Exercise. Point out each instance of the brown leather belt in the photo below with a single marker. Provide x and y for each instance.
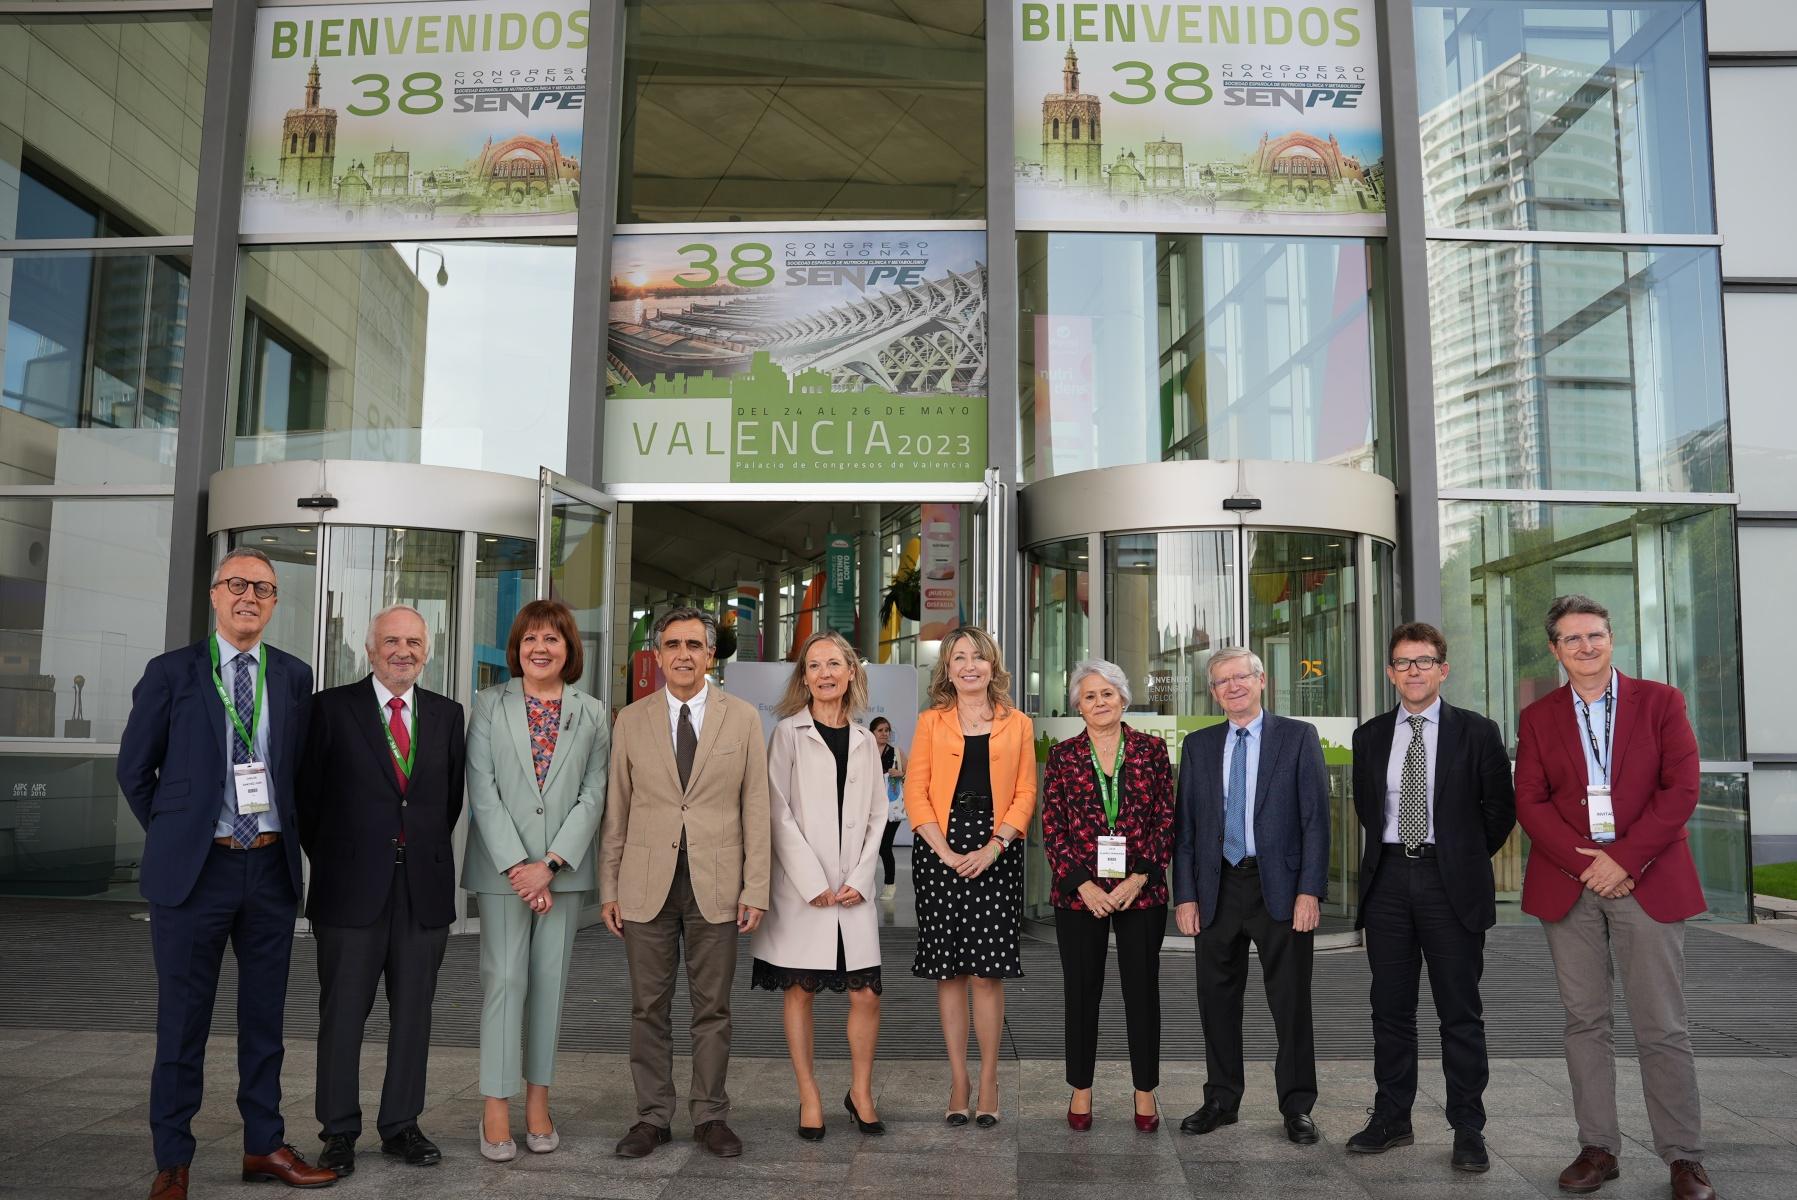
(256, 843)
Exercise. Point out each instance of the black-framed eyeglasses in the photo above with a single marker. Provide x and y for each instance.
(240, 585)
(1422, 662)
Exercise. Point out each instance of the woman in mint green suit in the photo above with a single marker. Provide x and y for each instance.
(538, 751)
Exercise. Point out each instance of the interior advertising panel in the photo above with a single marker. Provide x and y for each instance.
(1198, 116)
(826, 357)
(415, 117)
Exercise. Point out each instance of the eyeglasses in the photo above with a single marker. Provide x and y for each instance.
(1234, 680)
(1422, 662)
(1578, 641)
(240, 585)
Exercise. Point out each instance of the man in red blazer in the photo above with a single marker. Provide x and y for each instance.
(1606, 780)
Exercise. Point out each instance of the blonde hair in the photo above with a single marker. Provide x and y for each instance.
(998, 690)
(798, 697)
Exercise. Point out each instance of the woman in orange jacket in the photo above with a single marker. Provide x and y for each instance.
(969, 794)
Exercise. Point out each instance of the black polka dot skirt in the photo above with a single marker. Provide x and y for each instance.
(968, 926)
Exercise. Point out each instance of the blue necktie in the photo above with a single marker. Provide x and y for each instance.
(243, 697)
(1235, 803)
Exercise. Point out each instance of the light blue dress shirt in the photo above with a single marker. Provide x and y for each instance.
(1595, 776)
(1394, 770)
(1229, 741)
(270, 821)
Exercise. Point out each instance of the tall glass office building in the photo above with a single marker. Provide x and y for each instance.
(1132, 331)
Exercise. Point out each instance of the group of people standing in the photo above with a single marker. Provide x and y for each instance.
(691, 832)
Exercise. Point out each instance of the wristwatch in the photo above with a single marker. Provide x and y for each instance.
(554, 864)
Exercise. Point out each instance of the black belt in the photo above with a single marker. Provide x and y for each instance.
(1399, 850)
(1251, 863)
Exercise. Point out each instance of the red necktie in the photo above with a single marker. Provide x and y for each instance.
(402, 739)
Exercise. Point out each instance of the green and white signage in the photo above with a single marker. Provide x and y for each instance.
(1197, 116)
(820, 357)
(404, 118)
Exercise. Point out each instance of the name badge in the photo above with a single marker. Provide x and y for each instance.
(1113, 856)
(251, 779)
(1601, 813)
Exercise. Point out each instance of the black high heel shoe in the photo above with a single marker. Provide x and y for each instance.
(812, 1133)
(870, 1128)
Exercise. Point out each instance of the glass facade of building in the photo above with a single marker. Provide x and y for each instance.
(1188, 320)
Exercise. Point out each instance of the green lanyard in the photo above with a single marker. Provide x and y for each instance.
(405, 761)
(247, 735)
(1108, 785)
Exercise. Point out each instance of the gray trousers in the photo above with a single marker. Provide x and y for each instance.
(653, 951)
(1652, 958)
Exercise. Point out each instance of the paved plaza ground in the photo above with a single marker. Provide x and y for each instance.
(73, 1095)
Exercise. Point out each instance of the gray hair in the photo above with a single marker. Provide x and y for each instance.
(1106, 670)
(374, 625)
(1229, 654)
(686, 613)
(1566, 606)
(242, 552)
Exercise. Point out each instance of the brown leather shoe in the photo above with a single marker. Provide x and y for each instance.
(170, 1184)
(1593, 1168)
(716, 1137)
(642, 1140)
(1690, 1181)
(286, 1166)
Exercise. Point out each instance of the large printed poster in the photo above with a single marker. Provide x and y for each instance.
(408, 118)
(841, 357)
(1171, 116)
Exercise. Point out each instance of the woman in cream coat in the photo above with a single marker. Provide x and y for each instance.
(538, 750)
(827, 794)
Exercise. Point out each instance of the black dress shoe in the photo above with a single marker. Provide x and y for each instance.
(1469, 1151)
(339, 1153)
(1209, 1117)
(1301, 1129)
(873, 1128)
(642, 1140)
(411, 1145)
(1383, 1132)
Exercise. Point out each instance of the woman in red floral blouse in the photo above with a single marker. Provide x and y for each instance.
(1107, 826)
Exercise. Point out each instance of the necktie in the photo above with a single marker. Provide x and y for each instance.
(686, 746)
(1235, 803)
(244, 826)
(1413, 790)
(402, 738)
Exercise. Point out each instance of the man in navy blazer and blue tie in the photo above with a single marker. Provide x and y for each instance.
(207, 764)
(1251, 864)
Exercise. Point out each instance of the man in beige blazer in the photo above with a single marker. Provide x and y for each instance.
(684, 856)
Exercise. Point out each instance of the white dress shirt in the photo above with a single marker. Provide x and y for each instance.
(384, 695)
(1394, 769)
(695, 708)
(270, 821)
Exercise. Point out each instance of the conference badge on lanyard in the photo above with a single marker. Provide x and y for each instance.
(250, 779)
(1113, 848)
(1600, 809)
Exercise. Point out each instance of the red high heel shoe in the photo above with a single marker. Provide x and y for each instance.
(1078, 1122)
(1151, 1122)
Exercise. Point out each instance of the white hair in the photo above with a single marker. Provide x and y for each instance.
(1229, 654)
(375, 623)
(1106, 670)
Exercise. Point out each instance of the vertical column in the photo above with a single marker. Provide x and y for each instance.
(1407, 294)
(599, 170)
(770, 615)
(211, 297)
(870, 582)
(1001, 314)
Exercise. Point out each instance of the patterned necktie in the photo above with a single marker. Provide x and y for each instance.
(1413, 790)
(244, 826)
(686, 746)
(1235, 803)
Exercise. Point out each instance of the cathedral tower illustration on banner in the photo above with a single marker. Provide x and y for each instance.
(1072, 145)
(309, 146)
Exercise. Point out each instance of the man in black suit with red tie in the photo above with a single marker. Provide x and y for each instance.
(379, 794)
(1433, 792)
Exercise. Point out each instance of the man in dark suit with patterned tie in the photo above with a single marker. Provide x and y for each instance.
(207, 763)
(1433, 793)
(1251, 864)
(379, 796)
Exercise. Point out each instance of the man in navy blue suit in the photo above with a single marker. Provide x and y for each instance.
(207, 764)
(1251, 864)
